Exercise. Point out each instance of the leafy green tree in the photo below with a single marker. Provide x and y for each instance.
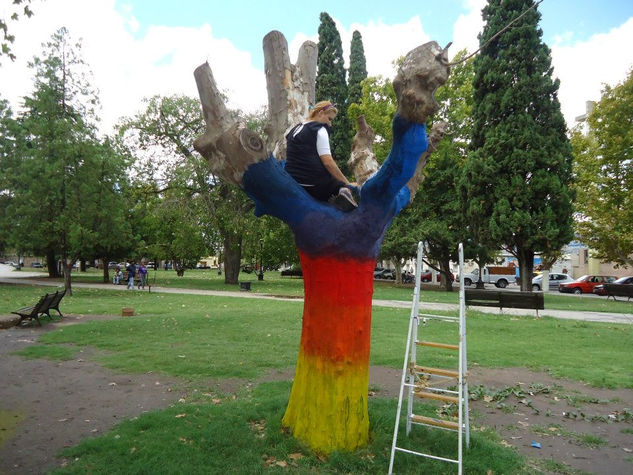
(57, 194)
(10, 133)
(357, 69)
(435, 216)
(162, 136)
(331, 85)
(438, 206)
(18, 8)
(518, 176)
(605, 177)
(112, 222)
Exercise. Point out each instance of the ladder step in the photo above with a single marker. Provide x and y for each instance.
(438, 345)
(435, 422)
(437, 371)
(436, 396)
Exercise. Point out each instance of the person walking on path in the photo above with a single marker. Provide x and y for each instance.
(142, 273)
(131, 273)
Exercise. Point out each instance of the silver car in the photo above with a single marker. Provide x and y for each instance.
(554, 281)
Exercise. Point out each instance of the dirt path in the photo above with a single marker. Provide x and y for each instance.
(48, 405)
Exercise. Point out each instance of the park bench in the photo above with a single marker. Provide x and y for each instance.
(43, 307)
(292, 273)
(504, 299)
(619, 290)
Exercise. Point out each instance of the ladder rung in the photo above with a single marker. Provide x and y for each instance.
(436, 396)
(435, 422)
(438, 345)
(439, 317)
(437, 371)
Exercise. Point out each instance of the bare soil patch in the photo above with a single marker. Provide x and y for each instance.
(48, 405)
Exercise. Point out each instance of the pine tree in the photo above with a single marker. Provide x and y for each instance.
(64, 183)
(331, 85)
(357, 69)
(518, 175)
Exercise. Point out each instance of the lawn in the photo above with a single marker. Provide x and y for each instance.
(197, 337)
(274, 284)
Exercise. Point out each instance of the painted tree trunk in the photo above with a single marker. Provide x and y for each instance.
(328, 403)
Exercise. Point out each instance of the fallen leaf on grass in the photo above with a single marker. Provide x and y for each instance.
(281, 463)
(296, 456)
(178, 416)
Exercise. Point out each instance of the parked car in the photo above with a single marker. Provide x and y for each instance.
(599, 289)
(385, 274)
(427, 276)
(37, 265)
(555, 280)
(585, 284)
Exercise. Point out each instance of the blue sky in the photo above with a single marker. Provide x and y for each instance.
(137, 48)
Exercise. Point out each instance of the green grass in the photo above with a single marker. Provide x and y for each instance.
(274, 284)
(198, 336)
(51, 352)
(244, 435)
(588, 440)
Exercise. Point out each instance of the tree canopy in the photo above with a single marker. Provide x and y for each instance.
(357, 68)
(64, 185)
(518, 174)
(604, 175)
(332, 85)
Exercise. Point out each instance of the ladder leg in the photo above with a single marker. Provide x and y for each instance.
(410, 348)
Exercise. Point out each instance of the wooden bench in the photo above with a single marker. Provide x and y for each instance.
(292, 273)
(619, 290)
(43, 307)
(505, 299)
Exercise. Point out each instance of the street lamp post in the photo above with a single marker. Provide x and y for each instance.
(260, 276)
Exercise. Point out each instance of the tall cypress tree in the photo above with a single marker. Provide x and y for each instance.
(357, 69)
(518, 175)
(331, 85)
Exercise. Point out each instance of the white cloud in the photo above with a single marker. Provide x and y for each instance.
(467, 27)
(584, 67)
(126, 67)
(129, 66)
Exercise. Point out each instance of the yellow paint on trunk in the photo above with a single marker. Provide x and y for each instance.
(328, 404)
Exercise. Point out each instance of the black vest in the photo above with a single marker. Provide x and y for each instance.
(302, 159)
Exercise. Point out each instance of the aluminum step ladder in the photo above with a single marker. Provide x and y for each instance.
(423, 382)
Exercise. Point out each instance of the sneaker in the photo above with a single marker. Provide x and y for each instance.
(344, 200)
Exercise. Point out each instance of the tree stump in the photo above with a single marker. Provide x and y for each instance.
(328, 404)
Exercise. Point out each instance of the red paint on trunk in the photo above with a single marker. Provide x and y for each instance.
(337, 308)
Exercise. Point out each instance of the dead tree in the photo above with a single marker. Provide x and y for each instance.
(338, 251)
